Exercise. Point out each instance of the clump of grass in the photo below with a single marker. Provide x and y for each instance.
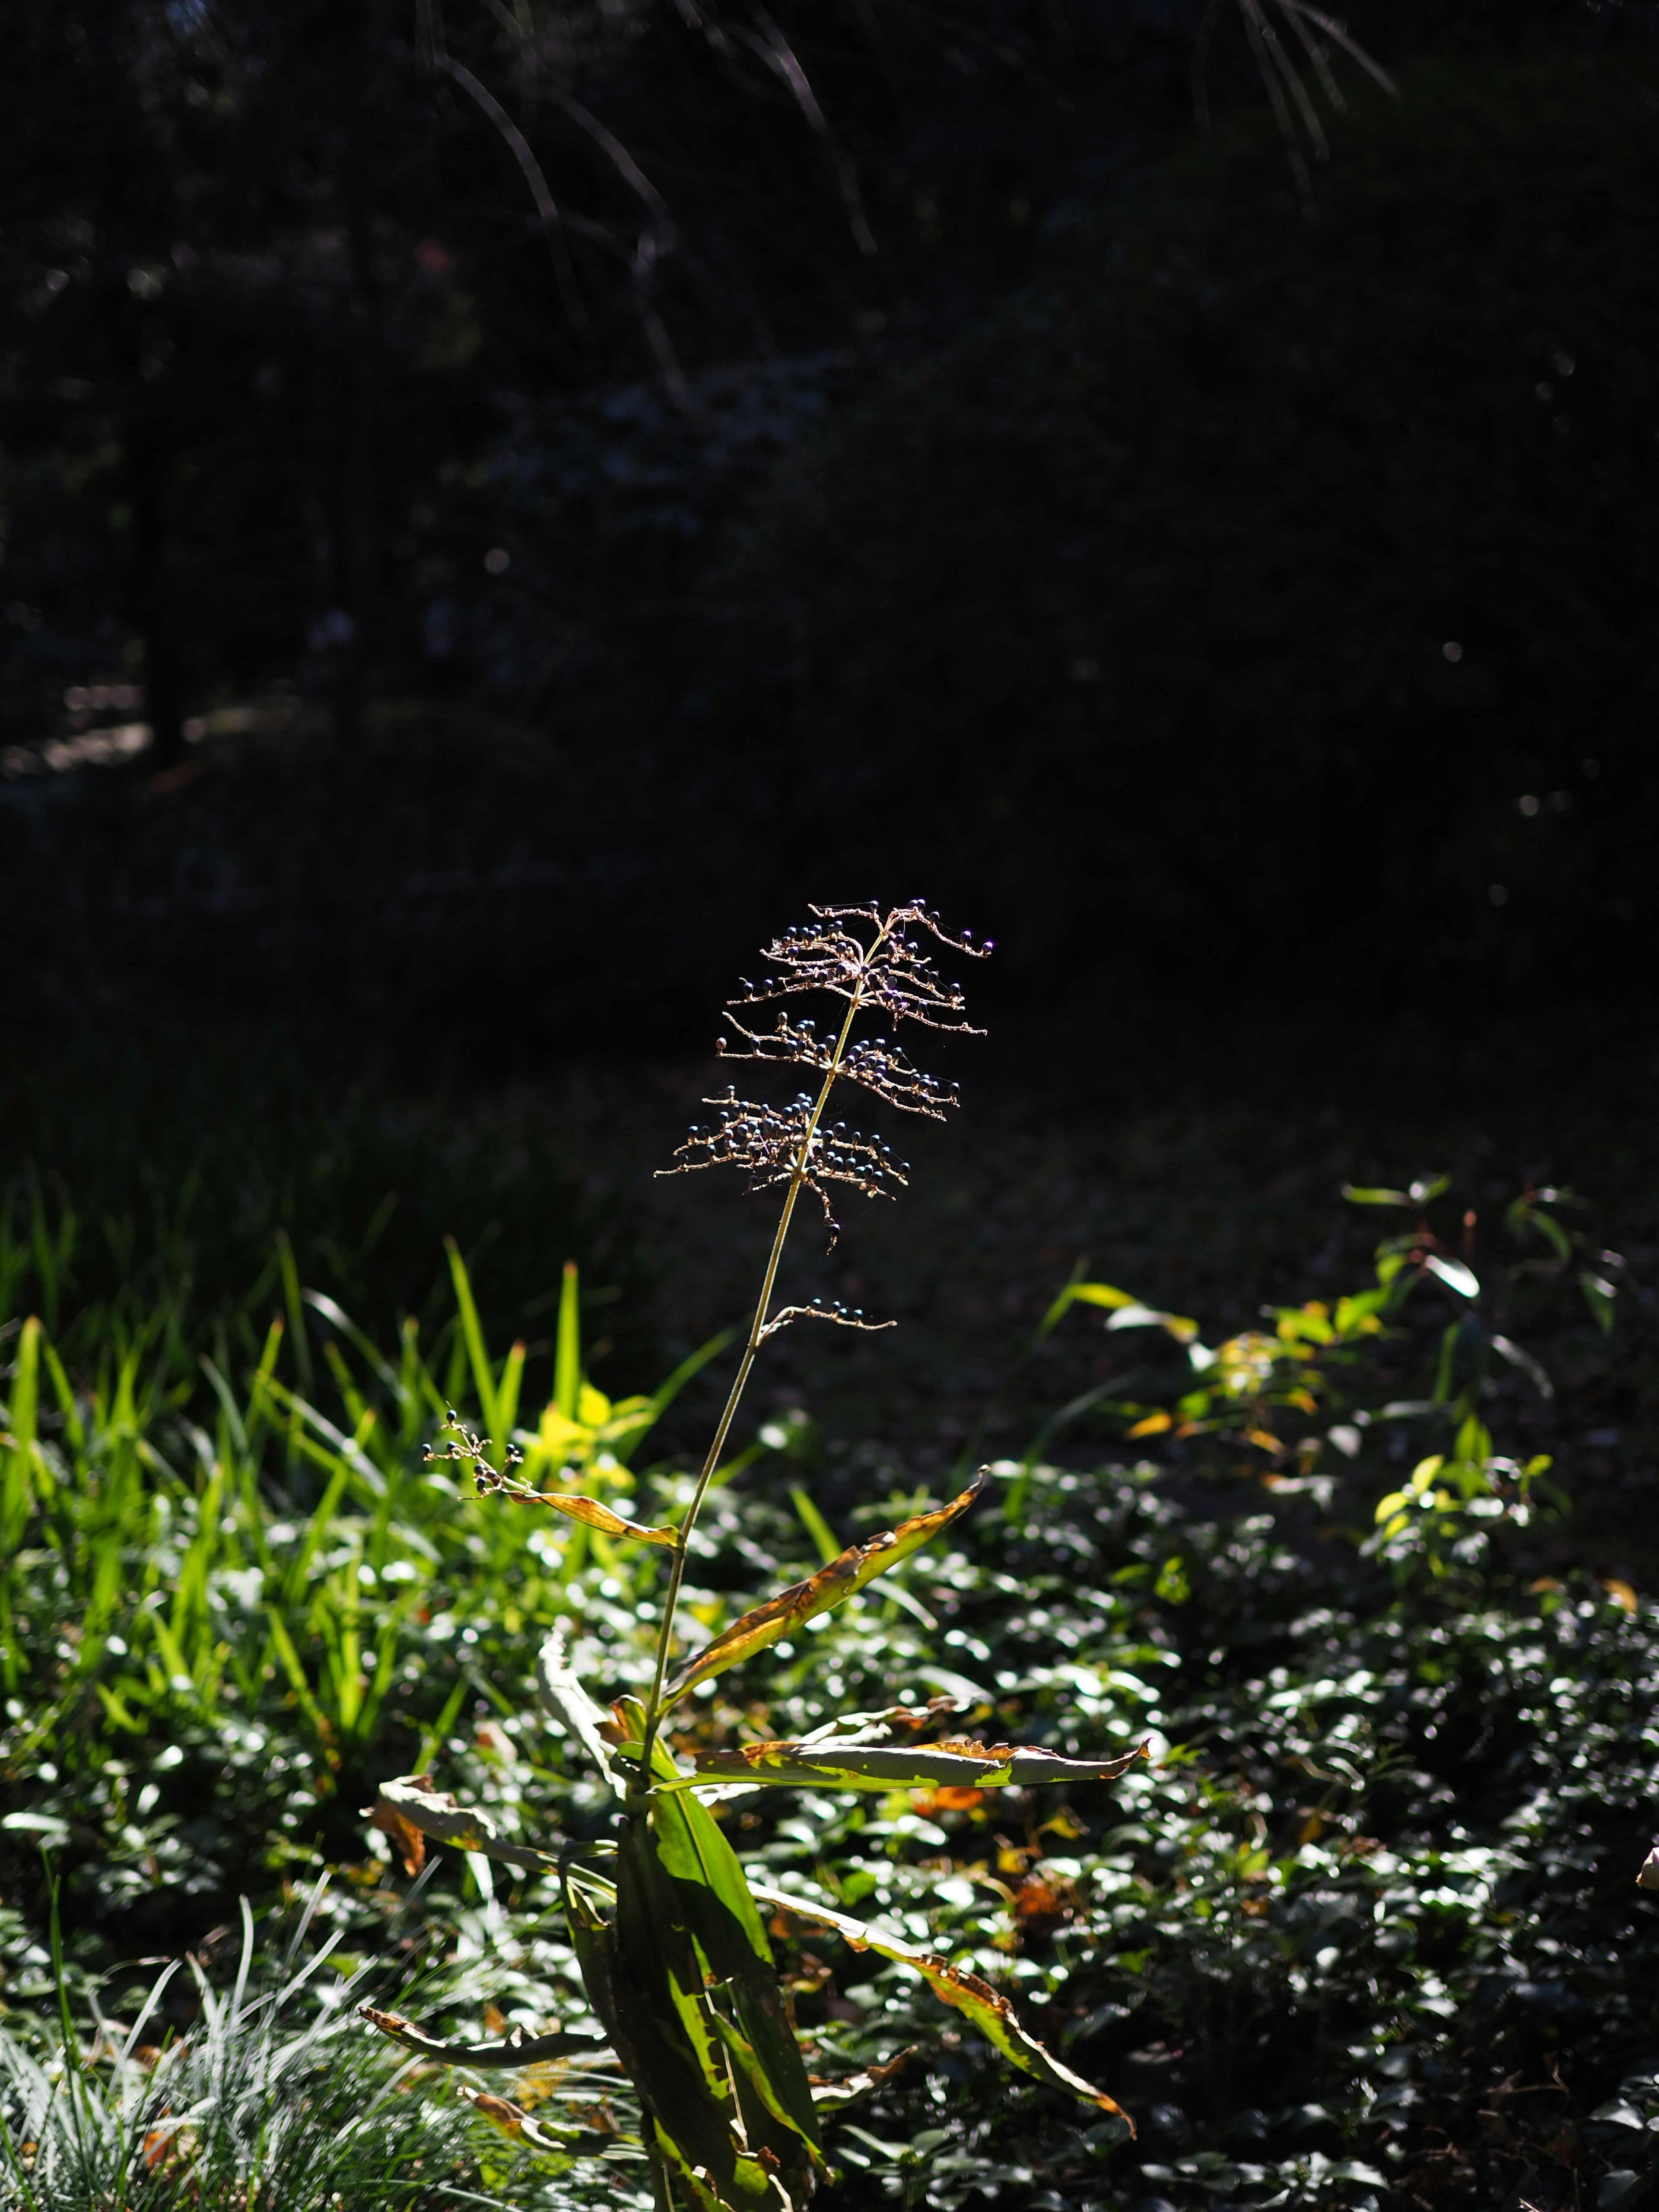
(269, 2101)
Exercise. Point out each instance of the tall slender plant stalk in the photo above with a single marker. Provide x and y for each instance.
(665, 1922)
(757, 1329)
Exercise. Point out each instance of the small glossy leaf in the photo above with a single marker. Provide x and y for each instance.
(1153, 1425)
(1599, 1295)
(412, 1800)
(1183, 1330)
(592, 1515)
(902, 1766)
(517, 2050)
(1372, 1194)
(831, 1586)
(1455, 1274)
(1082, 1294)
(990, 2012)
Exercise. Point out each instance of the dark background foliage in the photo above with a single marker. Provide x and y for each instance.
(898, 460)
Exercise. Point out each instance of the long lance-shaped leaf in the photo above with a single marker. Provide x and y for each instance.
(703, 1924)
(592, 1515)
(572, 1707)
(412, 1800)
(519, 2050)
(901, 1767)
(832, 1585)
(990, 2013)
(660, 2033)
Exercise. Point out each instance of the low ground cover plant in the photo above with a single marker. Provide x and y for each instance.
(1361, 1930)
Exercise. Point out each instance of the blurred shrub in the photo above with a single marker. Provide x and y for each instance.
(1251, 574)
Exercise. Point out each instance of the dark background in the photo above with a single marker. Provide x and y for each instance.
(907, 460)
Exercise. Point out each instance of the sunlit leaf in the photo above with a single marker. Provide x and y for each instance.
(990, 2012)
(571, 1706)
(517, 2049)
(652, 2003)
(1153, 1425)
(832, 2096)
(1599, 1296)
(1373, 1195)
(412, 1799)
(901, 1767)
(1179, 1325)
(1455, 1274)
(1082, 1294)
(514, 2122)
(831, 1586)
(592, 1515)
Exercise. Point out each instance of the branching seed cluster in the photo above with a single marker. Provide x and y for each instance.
(470, 1449)
(892, 972)
(876, 962)
(872, 1062)
(770, 1143)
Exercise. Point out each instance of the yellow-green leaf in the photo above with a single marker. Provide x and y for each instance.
(592, 1515)
(831, 1586)
(435, 1813)
(989, 2011)
(517, 2050)
(901, 1767)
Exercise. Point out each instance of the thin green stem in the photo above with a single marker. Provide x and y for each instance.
(756, 1332)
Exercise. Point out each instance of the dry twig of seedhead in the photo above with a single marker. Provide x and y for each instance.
(890, 972)
(468, 1448)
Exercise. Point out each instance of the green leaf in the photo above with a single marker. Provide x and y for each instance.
(900, 1766)
(1599, 1295)
(567, 1354)
(1179, 1325)
(831, 1586)
(1370, 1194)
(435, 1813)
(571, 1706)
(592, 1515)
(1081, 1294)
(1455, 1274)
(815, 1525)
(711, 1890)
(661, 2026)
(832, 2096)
(483, 1379)
(519, 2049)
(989, 2012)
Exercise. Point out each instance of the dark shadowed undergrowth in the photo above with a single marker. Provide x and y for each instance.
(1363, 1931)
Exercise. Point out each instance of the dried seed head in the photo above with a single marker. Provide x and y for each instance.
(875, 962)
(771, 1144)
(890, 970)
(872, 1062)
